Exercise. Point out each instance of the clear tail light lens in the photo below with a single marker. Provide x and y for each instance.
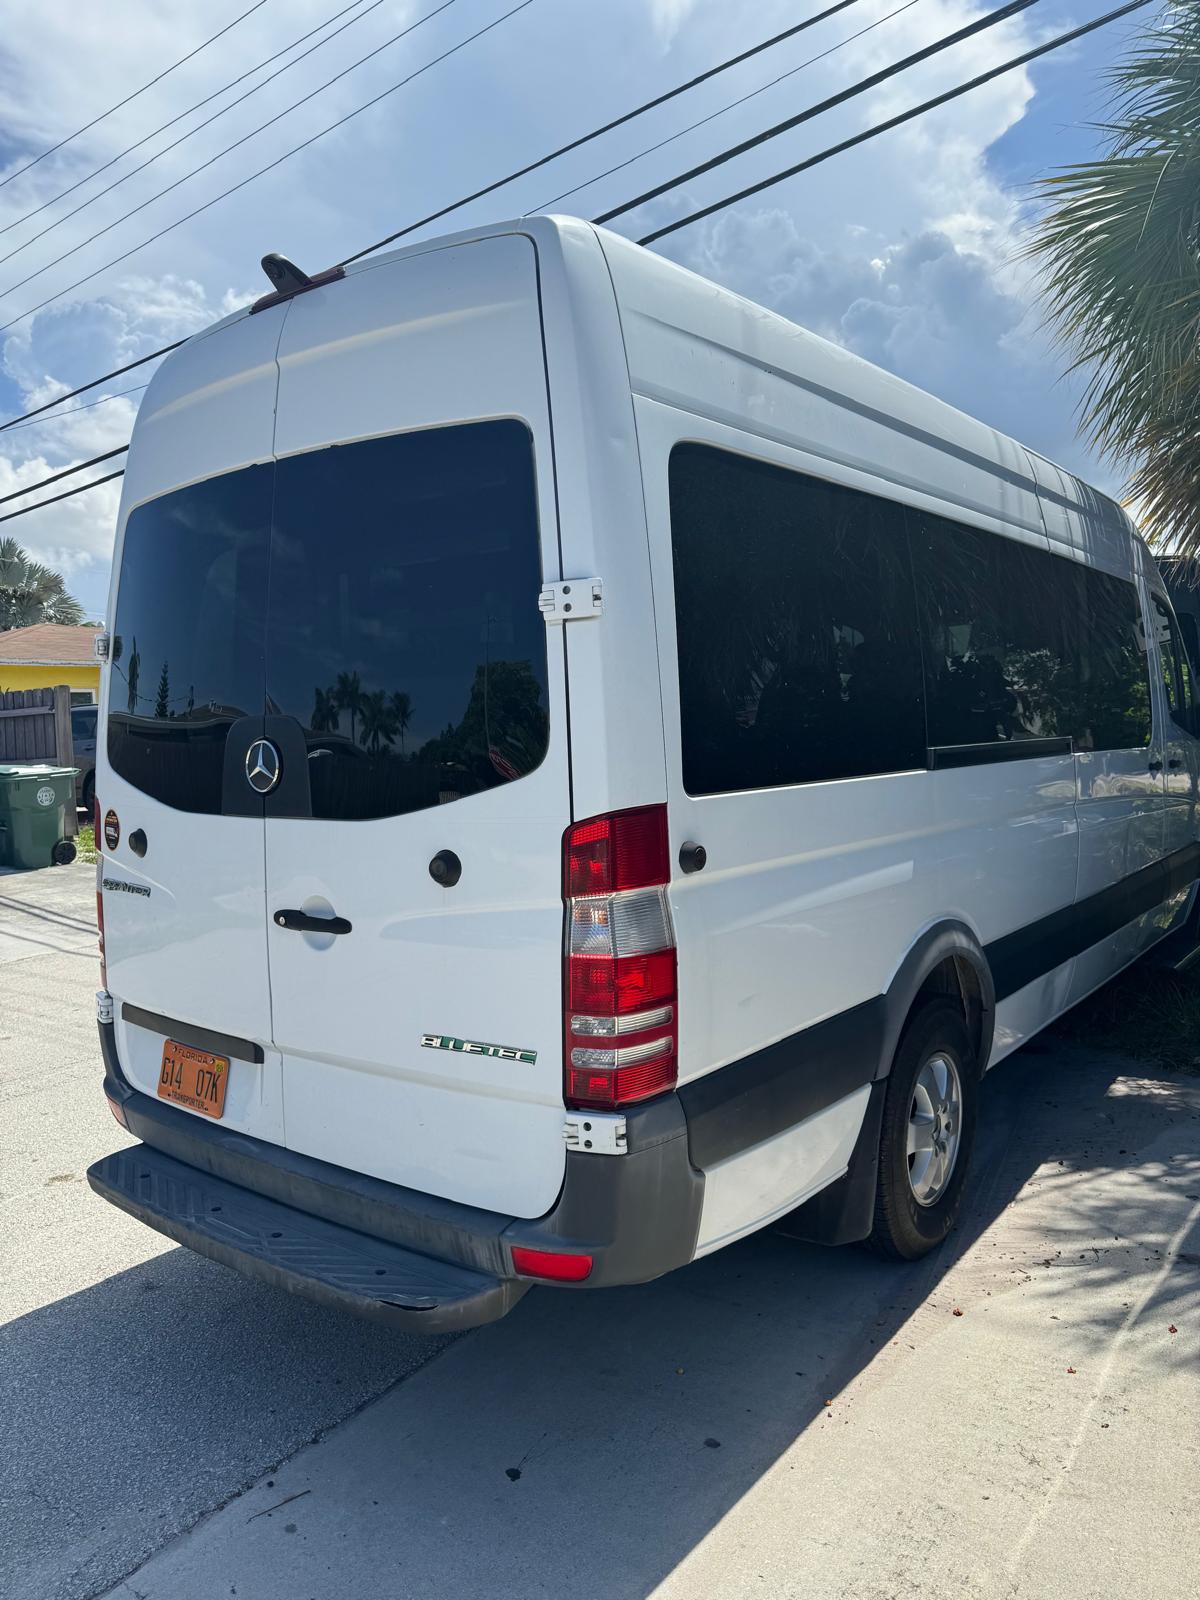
(620, 985)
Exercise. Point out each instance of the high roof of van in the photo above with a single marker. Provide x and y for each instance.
(699, 347)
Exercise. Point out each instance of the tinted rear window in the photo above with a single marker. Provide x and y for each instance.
(382, 594)
(404, 632)
(187, 653)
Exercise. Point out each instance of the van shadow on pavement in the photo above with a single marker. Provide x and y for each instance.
(589, 1442)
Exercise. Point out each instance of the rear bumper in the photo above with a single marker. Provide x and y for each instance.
(394, 1255)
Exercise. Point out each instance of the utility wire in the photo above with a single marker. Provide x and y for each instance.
(279, 160)
(204, 165)
(895, 122)
(162, 128)
(720, 111)
(607, 127)
(164, 350)
(133, 96)
(65, 495)
(66, 472)
(1014, 8)
(91, 404)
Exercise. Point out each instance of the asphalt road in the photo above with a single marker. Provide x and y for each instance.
(777, 1420)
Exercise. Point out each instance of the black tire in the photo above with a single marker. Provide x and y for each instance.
(905, 1229)
(63, 853)
(88, 795)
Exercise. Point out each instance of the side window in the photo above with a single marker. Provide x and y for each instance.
(1175, 666)
(796, 627)
(1112, 684)
(999, 623)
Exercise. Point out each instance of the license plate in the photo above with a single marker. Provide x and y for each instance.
(193, 1078)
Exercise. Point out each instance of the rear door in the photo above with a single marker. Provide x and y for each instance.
(185, 919)
(421, 726)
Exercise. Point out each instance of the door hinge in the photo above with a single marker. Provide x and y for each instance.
(572, 601)
(603, 1133)
(105, 1010)
(101, 645)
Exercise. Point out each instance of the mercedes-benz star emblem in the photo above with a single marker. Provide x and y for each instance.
(262, 766)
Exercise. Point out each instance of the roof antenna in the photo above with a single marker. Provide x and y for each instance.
(285, 275)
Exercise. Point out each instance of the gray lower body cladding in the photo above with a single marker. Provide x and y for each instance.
(393, 1254)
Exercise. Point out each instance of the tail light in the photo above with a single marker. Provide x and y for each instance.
(96, 838)
(620, 987)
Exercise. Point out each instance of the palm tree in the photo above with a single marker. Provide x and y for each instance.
(378, 723)
(402, 710)
(31, 593)
(324, 717)
(1119, 249)
(348, 692)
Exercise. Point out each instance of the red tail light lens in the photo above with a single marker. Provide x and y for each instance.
(560, 1268)
(627, 850)
(620, 985)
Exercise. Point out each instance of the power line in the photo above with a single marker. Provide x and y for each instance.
(162, 128)
(1012, 9)
(680, 222)
(211, 161)
(103, 401)
(607, 127)
(65, 495)
(721, 110)
(80, 466)
(133, 96)
(279, 160)
(83, 388)
(895, 122)
(574, 144)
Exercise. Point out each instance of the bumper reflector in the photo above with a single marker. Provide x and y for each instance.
(550, 1264)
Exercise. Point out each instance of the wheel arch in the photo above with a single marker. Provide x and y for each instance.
(946, 959)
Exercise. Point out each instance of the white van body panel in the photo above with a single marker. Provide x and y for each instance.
(195, 947)
(765, 1182)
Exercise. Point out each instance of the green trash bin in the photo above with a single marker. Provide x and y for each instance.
(33, 815)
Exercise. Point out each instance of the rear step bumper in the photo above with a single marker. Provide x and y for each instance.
(303, 1254)
(394, 1254)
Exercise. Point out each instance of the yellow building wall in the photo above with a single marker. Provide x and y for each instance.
(34, 677)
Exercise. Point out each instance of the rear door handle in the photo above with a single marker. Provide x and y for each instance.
(1154, 765)
(1175, 763)
(301, 922)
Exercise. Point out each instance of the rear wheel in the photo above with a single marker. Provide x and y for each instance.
(88, 794)
(928, 1129)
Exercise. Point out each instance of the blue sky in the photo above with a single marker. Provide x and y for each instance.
(907, 250)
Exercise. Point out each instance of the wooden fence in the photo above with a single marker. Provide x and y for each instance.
(35, 728)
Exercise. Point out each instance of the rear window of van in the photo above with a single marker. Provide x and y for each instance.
(383, 594)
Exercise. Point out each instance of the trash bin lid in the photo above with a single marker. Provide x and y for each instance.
(41, 771)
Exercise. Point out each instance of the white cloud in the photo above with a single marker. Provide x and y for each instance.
(76, 535)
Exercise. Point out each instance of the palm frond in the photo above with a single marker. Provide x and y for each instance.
(1118, 248)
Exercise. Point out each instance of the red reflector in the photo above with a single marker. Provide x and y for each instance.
(627, 850)
(604, 986)
(604, 1088)
(549, 1264)
(117, 1112)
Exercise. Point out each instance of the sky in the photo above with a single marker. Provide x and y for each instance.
(908, 250)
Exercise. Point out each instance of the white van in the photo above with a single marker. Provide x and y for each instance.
(589, 768)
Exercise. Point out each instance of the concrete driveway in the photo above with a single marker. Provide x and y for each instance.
(1018, 1416)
